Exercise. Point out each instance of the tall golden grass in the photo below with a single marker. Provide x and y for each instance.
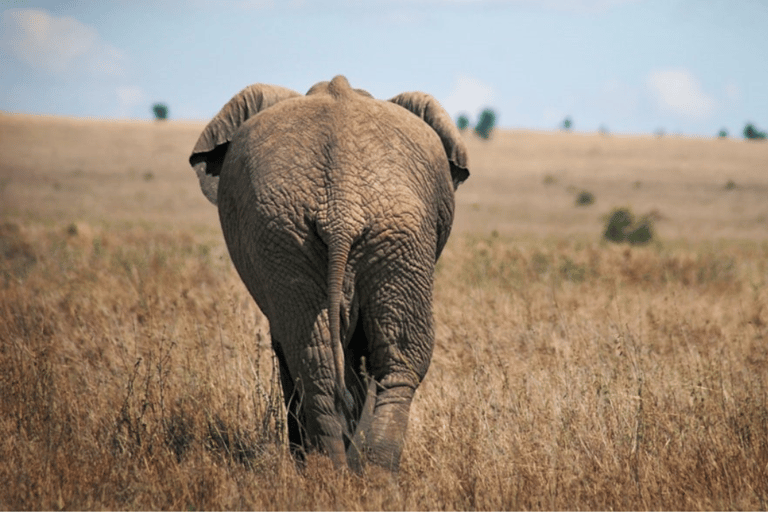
(568, 373)
(136, 373)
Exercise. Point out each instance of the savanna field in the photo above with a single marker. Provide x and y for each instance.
(568, 372)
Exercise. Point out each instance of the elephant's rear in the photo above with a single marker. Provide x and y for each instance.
(363, 174)
(335, 208)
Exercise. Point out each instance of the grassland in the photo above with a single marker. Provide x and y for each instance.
(568, 373)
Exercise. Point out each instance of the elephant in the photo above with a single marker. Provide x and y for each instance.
(335, 207)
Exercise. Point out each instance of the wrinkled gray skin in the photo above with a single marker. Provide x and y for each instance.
(335, 207)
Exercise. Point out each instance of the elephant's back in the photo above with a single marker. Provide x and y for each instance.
(319, 138)
(360, 163)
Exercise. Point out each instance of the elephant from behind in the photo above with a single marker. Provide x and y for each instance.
(335, 207)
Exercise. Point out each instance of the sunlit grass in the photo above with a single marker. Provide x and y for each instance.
(135, 372)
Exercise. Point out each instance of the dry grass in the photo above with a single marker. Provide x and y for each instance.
(135, 371)
(527, 183)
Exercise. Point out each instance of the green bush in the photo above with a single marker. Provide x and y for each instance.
(618, 222)
(723, 133)
(642, 233)
(622, 227)
(486, 123)
(751, 132)
(567, 123)
(160, 110)
(462, 122)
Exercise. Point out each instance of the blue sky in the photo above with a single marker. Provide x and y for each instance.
(631, 66)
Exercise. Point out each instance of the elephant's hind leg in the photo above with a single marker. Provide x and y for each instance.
(292, 398)
(309, 369)
(400, 326)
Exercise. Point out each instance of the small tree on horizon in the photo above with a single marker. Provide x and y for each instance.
(567, 123)
(486, 123)
(751, 132)
(161, 111)
(462, 122)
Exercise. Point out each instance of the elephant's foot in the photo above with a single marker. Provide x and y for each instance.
(384, 483)
(381, 440)
(388, 438)
(329, 439)
(334, 447)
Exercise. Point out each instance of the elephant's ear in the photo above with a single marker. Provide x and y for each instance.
(430, 110)
(211, 147)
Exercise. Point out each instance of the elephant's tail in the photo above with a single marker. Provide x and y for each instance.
(338, 253)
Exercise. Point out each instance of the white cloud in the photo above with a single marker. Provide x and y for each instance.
(57, 45)
(678, 92)
(468, 96)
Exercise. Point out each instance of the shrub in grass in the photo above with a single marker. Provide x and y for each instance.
(549, 179)
(622, 227)
(585, 198)
(641, 233)
(618, 224)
